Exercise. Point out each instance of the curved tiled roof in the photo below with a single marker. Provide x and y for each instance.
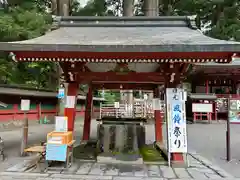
(124, 34)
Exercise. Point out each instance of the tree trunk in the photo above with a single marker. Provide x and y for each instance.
(63, 7)
(127, 11)
(127, 7)
(151, 8)
(54, 7)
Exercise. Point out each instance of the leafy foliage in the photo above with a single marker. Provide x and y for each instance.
(216, 18)
(111, 96)
(21, 21)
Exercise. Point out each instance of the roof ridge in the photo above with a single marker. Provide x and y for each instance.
(136, 21)
(122, 18)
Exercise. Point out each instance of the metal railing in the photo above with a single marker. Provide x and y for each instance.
(139, 109)
(109, 110)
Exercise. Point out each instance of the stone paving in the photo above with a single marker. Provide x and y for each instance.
(212, 144)
(199, 168)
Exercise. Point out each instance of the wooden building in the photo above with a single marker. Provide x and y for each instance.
(216, 78)
(222, 80)
(43, 103)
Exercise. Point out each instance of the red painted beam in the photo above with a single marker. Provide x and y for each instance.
(113, 77)
(118, 86)
(124, 55)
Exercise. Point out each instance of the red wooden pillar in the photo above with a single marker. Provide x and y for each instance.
(71, 112)
(158, 120)
(88, 113)
(38, 111)
(175, 157)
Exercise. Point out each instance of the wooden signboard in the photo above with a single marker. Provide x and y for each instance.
(202, 107)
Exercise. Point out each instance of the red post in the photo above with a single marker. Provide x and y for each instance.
(71, 112)
(88, 113)
(177, 157)
(158, 120)
(38, 111)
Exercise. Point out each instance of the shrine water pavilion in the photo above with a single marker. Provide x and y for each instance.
(123, 52)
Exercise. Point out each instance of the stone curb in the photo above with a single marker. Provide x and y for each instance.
(210, 165)
(15, 174)
(76, 176)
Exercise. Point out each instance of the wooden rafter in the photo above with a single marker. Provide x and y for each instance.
(159, 57)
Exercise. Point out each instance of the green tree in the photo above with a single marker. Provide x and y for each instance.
(93, 8)
(21, 21)
(112, 96)
(216, 18)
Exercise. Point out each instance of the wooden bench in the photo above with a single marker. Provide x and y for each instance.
(40, 151)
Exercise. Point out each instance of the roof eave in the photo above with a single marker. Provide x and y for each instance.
(229, 47)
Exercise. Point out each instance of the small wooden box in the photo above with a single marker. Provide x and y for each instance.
(59, 137)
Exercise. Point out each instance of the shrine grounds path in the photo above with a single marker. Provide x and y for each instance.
(209, 141)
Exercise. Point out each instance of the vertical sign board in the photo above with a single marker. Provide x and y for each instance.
(25, 104)
(61, 124)
(176, 120)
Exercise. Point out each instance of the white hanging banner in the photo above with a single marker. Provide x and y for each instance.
(176, 117)
(70, 102)
(156, 104)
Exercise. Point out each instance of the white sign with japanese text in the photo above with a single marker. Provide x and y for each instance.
(175, 94)
(177, 132)
(25, 104)
(61, 124)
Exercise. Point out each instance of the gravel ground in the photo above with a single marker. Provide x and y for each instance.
(209, 140)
